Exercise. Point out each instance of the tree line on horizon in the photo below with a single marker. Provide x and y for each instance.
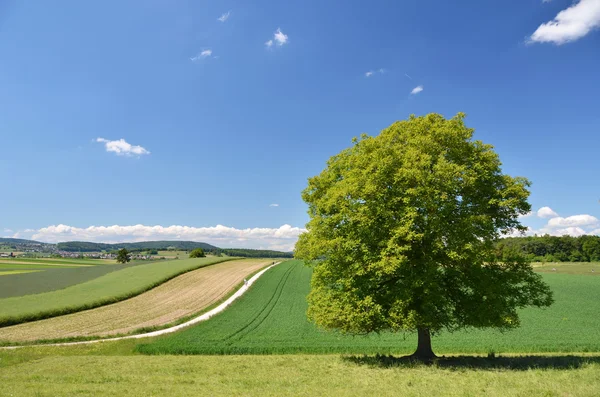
(548, 248)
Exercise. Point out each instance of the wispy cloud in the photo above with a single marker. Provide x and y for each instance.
(279, 38)
(371, 72)
(416, 90)
(408, 76)
(570, 24)
(224, 17)
(202, 55)
(122, 148)
(283, 237)
(273, 205)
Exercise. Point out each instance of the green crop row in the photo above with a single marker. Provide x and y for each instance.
(271, 319)
(110, 288)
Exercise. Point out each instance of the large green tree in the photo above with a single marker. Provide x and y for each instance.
(123, 256)
(197, 253)
(401, 235)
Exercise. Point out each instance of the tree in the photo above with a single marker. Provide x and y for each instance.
(123, 256)
(402, 231)
(197, 253)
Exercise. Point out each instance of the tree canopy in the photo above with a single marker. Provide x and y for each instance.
(402, 230)
(123, 256)
(197, 253)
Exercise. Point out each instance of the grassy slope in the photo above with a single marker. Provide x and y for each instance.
(271, 319)
(109, 369)
(110, 288)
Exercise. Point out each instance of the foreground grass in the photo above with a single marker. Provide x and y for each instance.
(110, 288)
(271, 319)
(105, 370)
(178, 298)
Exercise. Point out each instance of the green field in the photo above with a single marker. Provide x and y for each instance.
(51, 274)
(112, 369)
(110, 288)
(271, 319)
(18, 271)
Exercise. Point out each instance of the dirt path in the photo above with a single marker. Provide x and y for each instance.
(177, 298)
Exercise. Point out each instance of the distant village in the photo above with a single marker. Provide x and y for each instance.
(40, 249)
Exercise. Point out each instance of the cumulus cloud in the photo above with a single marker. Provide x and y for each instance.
(279, 38)
(122, 148)
(546, 212)
(273, 205)
(416, 90)
(575, 225)
(570, 24)
(369, 73)
(573, 221)
(222, 236)
(224, 16)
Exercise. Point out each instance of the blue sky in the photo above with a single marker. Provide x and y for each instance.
(223, 118)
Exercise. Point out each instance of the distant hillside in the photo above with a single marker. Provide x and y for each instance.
(84, 246)
(251, 253)
(13, 241)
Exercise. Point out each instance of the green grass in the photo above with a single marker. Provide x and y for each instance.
(110, 288)
(589, 268)
(14, 272)
(104, 370)
(271, 319)
(66, 261)
(54, 277)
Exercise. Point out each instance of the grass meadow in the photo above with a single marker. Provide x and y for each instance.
(271, 319)
(113, 368)
(109, 288)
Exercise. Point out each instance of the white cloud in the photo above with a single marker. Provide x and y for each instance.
(204, 54)
(408, 76)
(222, 236)
(224, 17)
(273, 205)
(546, 212)
(527, 215)
(370, 72)
(570, 24)
(573, 221)
(122, 148)
(8, 231)
(279, 38)
(416, 90)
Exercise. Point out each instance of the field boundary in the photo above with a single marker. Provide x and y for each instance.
(202, 317)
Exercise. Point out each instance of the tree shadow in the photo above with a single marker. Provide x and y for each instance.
(517, 363)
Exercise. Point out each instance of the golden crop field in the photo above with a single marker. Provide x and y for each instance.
(177, 298)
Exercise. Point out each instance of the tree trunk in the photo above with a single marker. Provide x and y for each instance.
(424, 351)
